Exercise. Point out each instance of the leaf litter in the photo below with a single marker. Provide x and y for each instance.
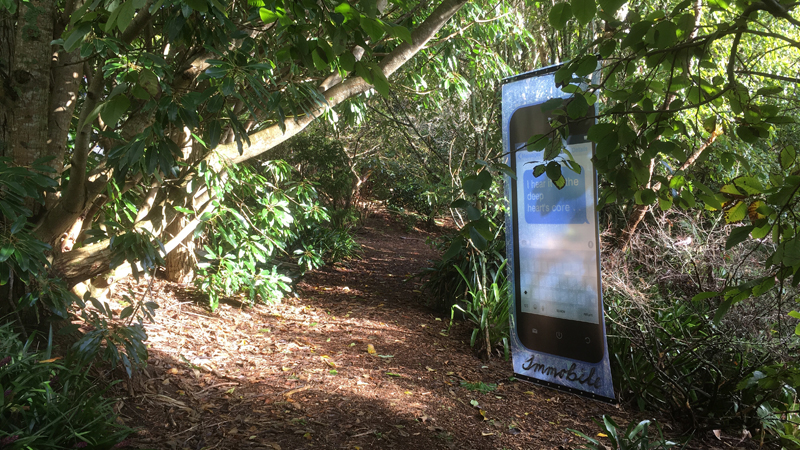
(263, 378)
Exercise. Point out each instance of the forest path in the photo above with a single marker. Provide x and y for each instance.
(299, 375)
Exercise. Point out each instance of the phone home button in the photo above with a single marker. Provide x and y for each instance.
(588, 340)
(559, 335)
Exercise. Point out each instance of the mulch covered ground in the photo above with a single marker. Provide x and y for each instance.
(300, 374)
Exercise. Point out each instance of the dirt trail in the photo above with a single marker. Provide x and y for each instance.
(299, 375)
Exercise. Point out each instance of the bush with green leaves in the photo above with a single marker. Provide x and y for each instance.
(270, 226)
(411, 194)
(41, 300)
(50, 403)
(469, 277)
(684, 353)
(638, 436)
(323, 161)
(486, 306)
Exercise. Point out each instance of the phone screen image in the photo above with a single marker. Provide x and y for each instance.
(557, 287)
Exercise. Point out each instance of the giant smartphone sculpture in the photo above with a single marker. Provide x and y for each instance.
(558, 332)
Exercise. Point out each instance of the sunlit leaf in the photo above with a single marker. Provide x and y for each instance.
(736, 213)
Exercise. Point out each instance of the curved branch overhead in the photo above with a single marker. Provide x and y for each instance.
(266, 139)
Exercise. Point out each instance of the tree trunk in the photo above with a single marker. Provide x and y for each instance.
(180, 262)
(31, 75)
(7, 94)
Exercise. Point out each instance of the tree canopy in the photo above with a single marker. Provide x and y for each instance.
(128, 128)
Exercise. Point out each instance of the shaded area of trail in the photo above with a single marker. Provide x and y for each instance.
(299, 374)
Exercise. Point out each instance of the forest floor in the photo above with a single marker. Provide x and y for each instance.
(298, 374)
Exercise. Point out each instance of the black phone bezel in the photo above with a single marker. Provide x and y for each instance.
(554, 336)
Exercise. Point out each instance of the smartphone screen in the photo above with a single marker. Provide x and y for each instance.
(556, 253)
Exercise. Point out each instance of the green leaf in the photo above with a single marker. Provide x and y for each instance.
(373, 28)
(537, 142)
(704, 295)
(584, 10)
(149, 81)
(607, 48)
(645, 197)
(471, 185)
(665, 34)
(347, 61)
(640, 170)
(665, 203)
(363, 71)
(316, 57)
(269, 16)
(197, 5)
(788, 157)
(578, 107)
(636, 34)
(769, 90)
(477, 239)
(380, 82)
(456, 246)
(722, 309)
(114, 109)
(749, 185)
(76, 36)
(343, 8)
(747, 134)
(587, 65)
(126, 312)
(559, 15)
(611, 6)
(574, 166)
(736, 213)
(402, 33)
(126, 12)
(677, 182)
(552, 104)
(791, 252)
(737, 236)
(553, 170)
(687, 199)
(598, 131)
(473, 213)
(761, 232)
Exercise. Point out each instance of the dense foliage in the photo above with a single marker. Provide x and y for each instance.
(129, 132)
(50, 403)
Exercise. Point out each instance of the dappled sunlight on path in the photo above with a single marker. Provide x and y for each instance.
(299, 374)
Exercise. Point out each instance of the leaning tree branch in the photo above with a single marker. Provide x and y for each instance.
(270, 137)
(73, 202)
(770, 75)
(92, 260)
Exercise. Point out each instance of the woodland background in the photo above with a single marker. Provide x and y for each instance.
(237, 144)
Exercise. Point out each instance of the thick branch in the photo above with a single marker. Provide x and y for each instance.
(92, 260)
(75, 197)
(770, 75)
(268, 138)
